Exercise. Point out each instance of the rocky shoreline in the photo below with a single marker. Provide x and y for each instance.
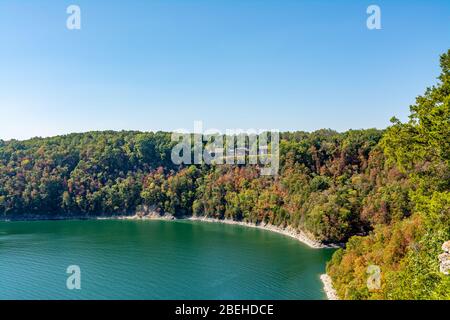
(328, 287)
(153, 215)
(288, 231)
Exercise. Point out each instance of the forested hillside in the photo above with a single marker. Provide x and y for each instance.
(385, 192)
(407, 249)
(322, 186)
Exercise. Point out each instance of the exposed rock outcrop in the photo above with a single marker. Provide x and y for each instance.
(444, 259)
(328, 287)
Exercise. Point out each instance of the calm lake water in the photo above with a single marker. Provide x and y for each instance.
(155, 260)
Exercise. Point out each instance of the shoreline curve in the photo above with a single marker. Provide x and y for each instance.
(288, 231)
(328, 287)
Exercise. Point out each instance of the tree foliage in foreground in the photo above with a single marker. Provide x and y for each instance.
(407, 250)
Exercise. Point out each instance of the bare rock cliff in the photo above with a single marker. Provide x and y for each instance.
(444, 259)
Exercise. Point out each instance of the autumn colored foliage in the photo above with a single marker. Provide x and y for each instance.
(386, 194)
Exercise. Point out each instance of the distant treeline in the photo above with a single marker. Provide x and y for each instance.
(322, 186)
(385, 192)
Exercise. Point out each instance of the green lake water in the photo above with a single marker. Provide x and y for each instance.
(155, 260)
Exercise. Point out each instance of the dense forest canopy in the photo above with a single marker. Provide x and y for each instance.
(321, 186)
(385, 193)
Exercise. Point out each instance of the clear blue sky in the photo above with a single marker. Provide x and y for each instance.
(160, 65)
